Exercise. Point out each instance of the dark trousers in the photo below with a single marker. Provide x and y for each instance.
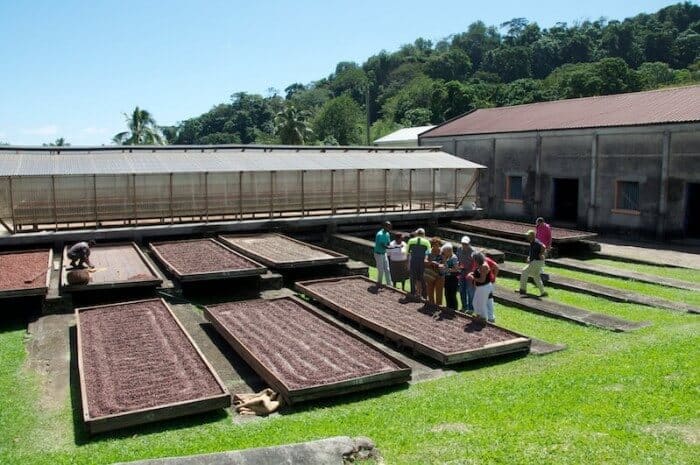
(416, 273)
(76, 260)
(451, 291)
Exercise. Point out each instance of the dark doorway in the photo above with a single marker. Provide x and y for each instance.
(565, 200)
(692, 210)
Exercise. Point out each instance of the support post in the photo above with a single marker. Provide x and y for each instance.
(492, 179)
(272, 193)
(332, 192)
(94, 200)
(240, 194)
(593, 201)
(663, 194)
(206, 196)
(53, 202)
(386, 190)
(410, 190)
(302, 193)
(455, 190)
(133, 198)
(435, 170)
(12, 205)
(170, 199)
(359, 184)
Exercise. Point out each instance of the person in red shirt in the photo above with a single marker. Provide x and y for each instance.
(543, 233)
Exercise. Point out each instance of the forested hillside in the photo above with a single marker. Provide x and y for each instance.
(485, 66)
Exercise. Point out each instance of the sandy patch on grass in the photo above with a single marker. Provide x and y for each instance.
(451, 428)
(689, 434)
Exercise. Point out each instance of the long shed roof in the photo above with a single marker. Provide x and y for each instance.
(675, 105)
(24, 161)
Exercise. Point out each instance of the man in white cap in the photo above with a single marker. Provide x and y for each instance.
(465, 254)
(417, 247)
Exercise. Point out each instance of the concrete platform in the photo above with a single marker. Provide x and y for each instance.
(516, 230)
(339, 450)
(547, 307)
(509, 246)
(579, 265)
(598, 290)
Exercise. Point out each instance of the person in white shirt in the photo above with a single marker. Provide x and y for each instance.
(398, 260)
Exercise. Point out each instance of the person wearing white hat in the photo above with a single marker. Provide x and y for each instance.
(465, 254)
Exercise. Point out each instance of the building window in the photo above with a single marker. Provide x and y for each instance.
(627, 195)
(514, 188)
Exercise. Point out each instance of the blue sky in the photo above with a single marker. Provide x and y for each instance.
(70, 69)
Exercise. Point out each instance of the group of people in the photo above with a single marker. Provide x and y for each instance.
(435, 267)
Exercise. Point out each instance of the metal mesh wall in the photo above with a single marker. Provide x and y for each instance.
(189, 197)
(397, 188)
(5, 209)
(193, 196)
(114, 197)
(257, 188)
(223, 190)
(287, 191)
(317, 190)
(75, 199)
(152, 195)
(422, 188)
(372, 188)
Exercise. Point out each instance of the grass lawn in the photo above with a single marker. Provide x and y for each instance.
(654, 290)
(683, 274)
(613, 398)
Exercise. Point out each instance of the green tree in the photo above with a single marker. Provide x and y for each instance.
(653, 75)
(143, 130)
(451, 65)
(510, 63)
(291, 126)
(476, 41)
(352, 81)
(60, 142)
(342, 119)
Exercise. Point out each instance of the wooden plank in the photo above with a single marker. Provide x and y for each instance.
(515, 343)
(268, 248)
(150, 414)
(256, 269)
(117, 266)
(294, 395)
(30, 291)
(517, 230)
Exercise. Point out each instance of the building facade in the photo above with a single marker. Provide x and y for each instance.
(622, 163)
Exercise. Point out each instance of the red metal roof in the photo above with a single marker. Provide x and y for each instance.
(675, 105)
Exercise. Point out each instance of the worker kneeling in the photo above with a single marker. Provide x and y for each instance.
(79, 254)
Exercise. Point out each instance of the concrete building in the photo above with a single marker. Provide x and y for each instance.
(406, 137)
(628, 162)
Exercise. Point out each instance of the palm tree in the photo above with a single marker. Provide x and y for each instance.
(142, 130)
(291, 126)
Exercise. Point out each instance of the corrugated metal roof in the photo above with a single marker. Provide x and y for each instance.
(17, 162)
(403, 135)
(676, 105)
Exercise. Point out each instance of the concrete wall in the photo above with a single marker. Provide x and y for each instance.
(662, 158)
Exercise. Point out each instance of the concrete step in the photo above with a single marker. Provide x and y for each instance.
(601, 270)
(547, 307)
(598, 290)
(509, 246)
